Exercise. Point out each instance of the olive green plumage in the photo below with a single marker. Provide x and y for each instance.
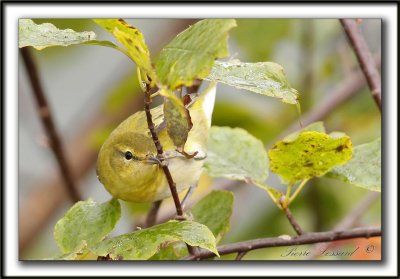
(126, 165)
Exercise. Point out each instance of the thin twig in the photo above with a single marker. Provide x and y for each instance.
(350, 219)
(160, 153)
(48, 123)
(193, 251)
(308, 238)
(240, 256)
(152, 215)
(290, 217)
(292, 221)
(364, 58)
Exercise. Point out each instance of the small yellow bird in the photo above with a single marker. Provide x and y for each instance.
(126, 163)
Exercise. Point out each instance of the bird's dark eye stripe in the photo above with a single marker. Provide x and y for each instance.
(128, 155)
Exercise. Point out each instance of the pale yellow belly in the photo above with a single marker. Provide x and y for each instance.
(185, 173)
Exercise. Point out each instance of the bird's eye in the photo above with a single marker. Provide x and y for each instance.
(128, 155)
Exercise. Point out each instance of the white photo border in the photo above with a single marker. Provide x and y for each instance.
(12, 11)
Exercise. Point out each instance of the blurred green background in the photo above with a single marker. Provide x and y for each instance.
(86, 83)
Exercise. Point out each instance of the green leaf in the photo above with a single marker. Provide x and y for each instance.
(191, 54)
(142, 244)
(78, 253)
(364, 169)
(45, 35)
(265, 78)
(235, 154)
(86, 221)
(177, 118)
(215, 211)
(171, 252)
(310, 154)
(133, 40)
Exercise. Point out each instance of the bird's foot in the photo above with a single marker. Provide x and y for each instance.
(187, 155)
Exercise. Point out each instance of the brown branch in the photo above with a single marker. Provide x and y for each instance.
(291, 219)
(152, 215)
(240, 256)
(364, 58)
(308, 238)
(193, 251)
(48, 123)
(160, 153)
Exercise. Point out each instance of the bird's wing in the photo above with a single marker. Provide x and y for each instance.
(138, 122)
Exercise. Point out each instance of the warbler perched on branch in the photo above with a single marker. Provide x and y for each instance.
(128, 165)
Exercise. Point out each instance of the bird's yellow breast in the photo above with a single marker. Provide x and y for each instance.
(137, 181)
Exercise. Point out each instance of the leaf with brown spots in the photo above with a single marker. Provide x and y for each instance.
(310, 154)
